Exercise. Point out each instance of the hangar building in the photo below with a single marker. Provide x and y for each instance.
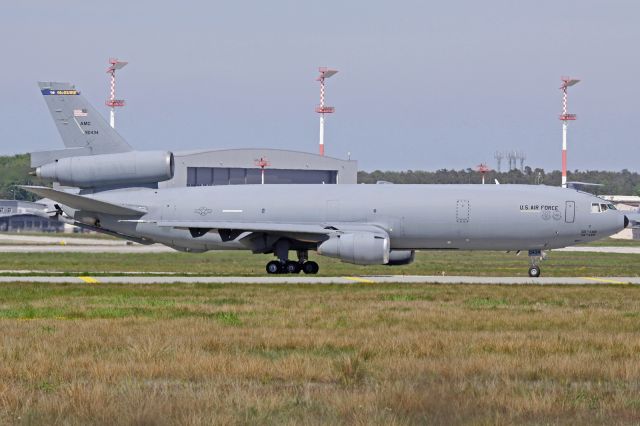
(238, 167)
(24, 216)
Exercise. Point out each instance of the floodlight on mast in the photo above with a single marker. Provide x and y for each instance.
(112, 102)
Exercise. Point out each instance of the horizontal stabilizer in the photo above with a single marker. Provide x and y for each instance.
(40, 158)
(80, 202)
(575, 184)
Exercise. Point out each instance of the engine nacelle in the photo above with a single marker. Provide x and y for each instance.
(362, 248)
(401, 257)
(135, 167)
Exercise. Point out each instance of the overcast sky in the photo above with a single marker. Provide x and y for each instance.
(421, 84)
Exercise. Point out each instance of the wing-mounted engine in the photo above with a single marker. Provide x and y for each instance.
(361, 248)
(401, 257)
(127, 168)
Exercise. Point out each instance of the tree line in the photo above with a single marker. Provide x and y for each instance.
(14, 171)
(623, 182)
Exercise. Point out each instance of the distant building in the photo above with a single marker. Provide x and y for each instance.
(633, 201)
(24, 216)
(628, 203)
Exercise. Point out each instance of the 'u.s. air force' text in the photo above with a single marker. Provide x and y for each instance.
(539, 207)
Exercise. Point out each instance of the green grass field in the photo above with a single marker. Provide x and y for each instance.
(318, 354)
(228, 263)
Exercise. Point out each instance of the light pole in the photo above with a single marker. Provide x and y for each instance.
(565, 117)
(112, 101)
(262, 163)
(322, 109)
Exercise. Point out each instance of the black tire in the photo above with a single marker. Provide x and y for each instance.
(310, 267)
(293, 267)
(274, 267)
(534, 271)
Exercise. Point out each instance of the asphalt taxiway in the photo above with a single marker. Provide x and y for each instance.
(306, 279)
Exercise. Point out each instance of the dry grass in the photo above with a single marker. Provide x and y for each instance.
(363, 354)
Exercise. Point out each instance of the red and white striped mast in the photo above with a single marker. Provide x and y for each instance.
(565, 117)
(112, 102)
(322, 109)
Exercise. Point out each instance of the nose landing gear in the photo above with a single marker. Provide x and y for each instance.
(536, 256)
(534, 271)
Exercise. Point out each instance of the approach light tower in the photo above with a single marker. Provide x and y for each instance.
(112, 102)
(322, 109)
(483, 169)
(565, 117)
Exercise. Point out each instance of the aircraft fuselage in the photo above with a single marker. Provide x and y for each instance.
(465, 217)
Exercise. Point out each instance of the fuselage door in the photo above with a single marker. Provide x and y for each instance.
(570, 211)
(462, 211)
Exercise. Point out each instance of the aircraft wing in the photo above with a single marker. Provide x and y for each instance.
(80, 202)
(230, 230)
(247, 226)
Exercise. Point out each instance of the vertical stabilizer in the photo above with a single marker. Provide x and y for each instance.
(79, 124)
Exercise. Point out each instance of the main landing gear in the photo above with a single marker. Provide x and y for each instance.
(286, 266)
(292, 267)
(536, 256)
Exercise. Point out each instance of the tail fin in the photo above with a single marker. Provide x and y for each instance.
(79, 124)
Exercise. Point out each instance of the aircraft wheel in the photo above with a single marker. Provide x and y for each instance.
(273, 267)
(310, 267)
(534, 271)
(293, 267)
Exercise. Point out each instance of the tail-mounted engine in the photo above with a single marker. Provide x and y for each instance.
(127, 168)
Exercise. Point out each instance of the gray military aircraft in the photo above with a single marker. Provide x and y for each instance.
(102, 184)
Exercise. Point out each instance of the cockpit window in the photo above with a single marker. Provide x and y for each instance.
(612, 207)
(595, 208)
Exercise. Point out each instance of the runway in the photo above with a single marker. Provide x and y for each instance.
(86, 248)
(307, 279)
(56, 243)
(78, 245)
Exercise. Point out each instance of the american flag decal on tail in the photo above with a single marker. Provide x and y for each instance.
(79, 112)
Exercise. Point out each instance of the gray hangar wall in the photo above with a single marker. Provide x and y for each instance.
(238, 167)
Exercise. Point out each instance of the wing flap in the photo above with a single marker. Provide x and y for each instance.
(81, 202)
